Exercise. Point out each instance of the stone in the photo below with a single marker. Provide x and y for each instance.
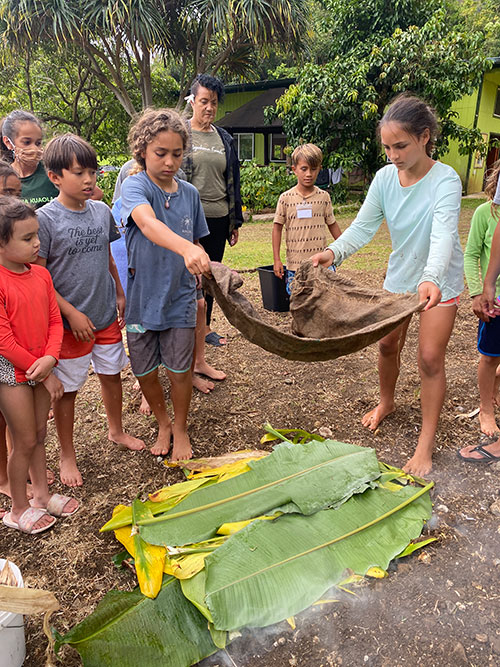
(495, 507)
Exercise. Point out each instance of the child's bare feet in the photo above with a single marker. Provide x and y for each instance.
(163, 441)
(487, 422)
(205, 369)
(373, 418)
(51, 478)
(144, 408)
(126, 441)
(69, 473)
(202, 384)
(5, 490)
(182, 446)
(420, 463)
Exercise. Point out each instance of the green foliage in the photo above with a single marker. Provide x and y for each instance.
(338, 105)
(262, 186)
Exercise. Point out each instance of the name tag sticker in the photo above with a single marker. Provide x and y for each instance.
(304, 211)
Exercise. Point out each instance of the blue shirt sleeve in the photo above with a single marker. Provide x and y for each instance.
(135, 192)
(363, 228)
(448, 197)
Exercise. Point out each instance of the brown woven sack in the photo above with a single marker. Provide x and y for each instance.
(331, 316)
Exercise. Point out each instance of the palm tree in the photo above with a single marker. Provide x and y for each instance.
(121, 39)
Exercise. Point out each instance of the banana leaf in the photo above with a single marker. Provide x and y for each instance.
(312, 476)
(270, 571)
(128, 629)
(158, 502)
(149, 558)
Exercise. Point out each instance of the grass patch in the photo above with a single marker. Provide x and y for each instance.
(254, 247)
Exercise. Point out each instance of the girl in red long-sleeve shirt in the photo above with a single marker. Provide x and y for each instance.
(30, 340)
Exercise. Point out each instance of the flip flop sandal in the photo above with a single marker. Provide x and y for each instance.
(27, 520)
(56, 505)
(214, 339)
(486, 456)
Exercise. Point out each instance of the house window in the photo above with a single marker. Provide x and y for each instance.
(496, 110)
(277, 144)
(245, 146)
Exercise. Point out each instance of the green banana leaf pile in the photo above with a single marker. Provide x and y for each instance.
(218, 553)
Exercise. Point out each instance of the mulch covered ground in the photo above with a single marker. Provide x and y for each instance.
(442, 607)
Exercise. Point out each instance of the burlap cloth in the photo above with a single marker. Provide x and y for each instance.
(331, 316)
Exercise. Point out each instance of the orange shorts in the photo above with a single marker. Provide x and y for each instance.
(72, 348)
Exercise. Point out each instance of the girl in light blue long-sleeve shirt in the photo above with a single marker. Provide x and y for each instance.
(420, 201)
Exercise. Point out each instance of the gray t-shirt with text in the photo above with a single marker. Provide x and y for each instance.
(76, 247)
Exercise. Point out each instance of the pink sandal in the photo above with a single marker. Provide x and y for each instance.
(27, 521)
(56, 505)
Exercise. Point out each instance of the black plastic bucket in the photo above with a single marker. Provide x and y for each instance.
(273, 289)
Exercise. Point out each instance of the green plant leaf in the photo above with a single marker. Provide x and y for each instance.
(413, 546)
(128, 629)
(258, 577)
(313, 476)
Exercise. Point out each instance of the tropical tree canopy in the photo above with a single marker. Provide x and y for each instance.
(337, 105)
(122, 40)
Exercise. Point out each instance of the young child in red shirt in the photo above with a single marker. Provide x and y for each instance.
(30, 342)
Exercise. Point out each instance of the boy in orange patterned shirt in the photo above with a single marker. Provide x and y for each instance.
(304, 210)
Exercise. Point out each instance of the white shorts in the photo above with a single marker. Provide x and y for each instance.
(105, 359)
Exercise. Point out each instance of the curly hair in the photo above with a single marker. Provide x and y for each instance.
(12, 209)
(415, 116)
(150, 123)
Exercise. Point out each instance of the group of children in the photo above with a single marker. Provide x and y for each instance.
(62, 305)
(56, 320)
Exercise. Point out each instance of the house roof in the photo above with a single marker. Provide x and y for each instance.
(250, 116)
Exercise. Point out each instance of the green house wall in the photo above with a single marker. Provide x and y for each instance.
(233, 101)
(487, 124)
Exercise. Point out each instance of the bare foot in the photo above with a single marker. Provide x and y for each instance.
(420, 463)
(496, 401)
(373, 418)
(163, 442)
(51, 478)
(205, 369)
(182, 446)
(203, 385)
(136, 386)
(69, 473)
(487, 423)
(144, 408)
(124, 440)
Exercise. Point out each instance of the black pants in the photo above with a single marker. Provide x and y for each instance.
(214, 245)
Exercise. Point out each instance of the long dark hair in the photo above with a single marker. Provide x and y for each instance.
(415, 116)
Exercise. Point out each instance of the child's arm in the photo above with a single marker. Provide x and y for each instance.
(472, 260)
(40, 370)
(195, 258)
(488, 295)
(120, 294)
(278, 265)
(334, 229)
(82, 326)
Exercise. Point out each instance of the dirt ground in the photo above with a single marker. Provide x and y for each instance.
(442, 608)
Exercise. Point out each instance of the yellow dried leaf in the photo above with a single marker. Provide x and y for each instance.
(176, 491)
(235, 526)
(186, 566)
(376, 573)
(149, 566)
(291, 622)
(213, 462)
